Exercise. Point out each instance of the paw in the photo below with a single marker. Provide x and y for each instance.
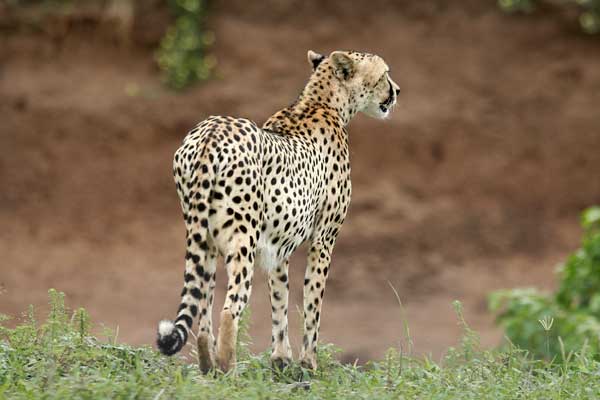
(309, 362)
(280, 363)
(206, 353)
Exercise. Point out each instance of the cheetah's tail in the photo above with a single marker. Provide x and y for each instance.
(171, 337)
(189, 177)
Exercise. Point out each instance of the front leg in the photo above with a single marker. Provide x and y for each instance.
(280, 342)
(317, 269)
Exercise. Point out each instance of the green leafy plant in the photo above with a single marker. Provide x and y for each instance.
(183, 52)
(555, 324)
(589, 10)
(590, 17)
(517, 5)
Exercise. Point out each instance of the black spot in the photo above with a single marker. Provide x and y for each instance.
(194, 310)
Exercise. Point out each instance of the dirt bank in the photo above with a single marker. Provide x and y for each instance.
(475, 183)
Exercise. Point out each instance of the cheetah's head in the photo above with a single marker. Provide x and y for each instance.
(363, 77)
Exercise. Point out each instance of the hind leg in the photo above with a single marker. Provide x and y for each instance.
(205, 338)
(240, 268)
(281, 355)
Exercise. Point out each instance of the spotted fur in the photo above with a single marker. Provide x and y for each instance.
(253, 195)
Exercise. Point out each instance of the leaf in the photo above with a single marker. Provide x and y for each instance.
(590, 218)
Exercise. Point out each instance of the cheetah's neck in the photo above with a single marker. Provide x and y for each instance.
(324, 91)
(323, 98)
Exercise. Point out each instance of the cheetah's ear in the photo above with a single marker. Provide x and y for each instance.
(343, 65)
(314, 59)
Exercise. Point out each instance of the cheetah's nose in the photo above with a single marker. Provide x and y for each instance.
(397, 91)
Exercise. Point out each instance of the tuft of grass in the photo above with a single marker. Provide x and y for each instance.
(58, 358)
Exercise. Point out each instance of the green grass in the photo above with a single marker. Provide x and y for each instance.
(60, 359)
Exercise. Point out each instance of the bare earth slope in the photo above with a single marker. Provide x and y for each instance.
(474, 184)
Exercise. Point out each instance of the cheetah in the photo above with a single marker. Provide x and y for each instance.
(253, 195)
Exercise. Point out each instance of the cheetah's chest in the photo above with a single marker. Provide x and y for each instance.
(297, 179)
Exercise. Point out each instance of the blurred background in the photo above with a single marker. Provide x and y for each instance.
(474, 184)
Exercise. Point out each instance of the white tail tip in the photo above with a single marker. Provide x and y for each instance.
(165, 327)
